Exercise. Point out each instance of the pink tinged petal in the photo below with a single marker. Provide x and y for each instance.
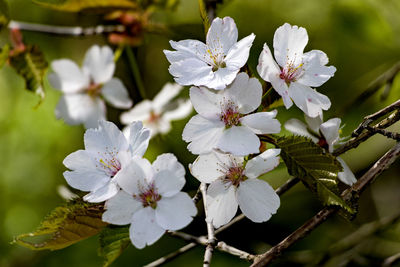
(239, 140)
(140, 112)
(203, 134)
(103, 193)
(120, 209)
(167, 93)
(144, 229)
(299, 128)
(330, 130)
(183, 110)
(262, 122)
(81, 108)
(209, 167)
(263, 163)
(175, 212)
(138, 138)
(67, 76)
(206, 102)
(221, 78)
(346, 176)
(99, 62)
(267, 66)
(115, 93)
(239, 53)
(282, 89)
(104, 139)
(221, 203)
(191, 71)
(222, 35)
(133, 176)
(314, 123)
(289, 44)
(86, 180)
(315, 71)
(308, 100)
(257, 200)
(245, 92)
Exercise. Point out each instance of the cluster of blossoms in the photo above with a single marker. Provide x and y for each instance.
(224, 133)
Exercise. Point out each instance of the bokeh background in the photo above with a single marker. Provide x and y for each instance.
(361, 38)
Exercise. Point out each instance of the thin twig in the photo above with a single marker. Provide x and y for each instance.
(391, 260)
(65, 30)
(211, 240)
(196, 198)
(382, 164)
(135, 71)
(171, 256)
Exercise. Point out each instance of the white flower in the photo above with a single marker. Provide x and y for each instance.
(85, 87)
(151, 200)
(224, 121)
(296, 72)
(107, 152)
(158, 114)
(325, 135)
(234, 183)
(214, 64)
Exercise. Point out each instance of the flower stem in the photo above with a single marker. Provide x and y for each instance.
(264, 97)
(135, 71)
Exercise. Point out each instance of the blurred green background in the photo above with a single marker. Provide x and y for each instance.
(361, 38)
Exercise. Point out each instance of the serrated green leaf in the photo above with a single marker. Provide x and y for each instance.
(65, 226)
(4, 52)
(315, 168)
(113, 241)
(79, 5)
(31, 65)
(4, 14)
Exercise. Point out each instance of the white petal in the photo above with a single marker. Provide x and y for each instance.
(81, 108)
(176, 212)
(282, 89)
(133, 176)
(267, 66)
(308, 100)
(191, 71)
(239, 53)
(315, 73)
(120, 209)
(138, 138)
(257, 200)
(262, 122)
(206, 102)
(330, 130)
(298, 127)
(167, 183)
(99, 62)
(314, 123)
(289, 44)
(245, 92)
(80, 160)
(221, 203)
(140, 112)
(103, 193)
(222, 77)
(222, 35)
(263, 163)
(86, 180)
(209, 167)
(67, 76)
(239, 140)
(115, 93)
(346, 176)
(183, 110)
(167, 93)
(168, 161)
(106, 138)
(186, 49)
(203, 134)
(144, 229)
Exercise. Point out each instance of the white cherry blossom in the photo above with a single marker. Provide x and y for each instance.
(233, 184)
(214, 64)
(107, 153)
(295, 72)
(224, 121)
(85, 88)
(325, 134)
(158, 113)
(151, 200)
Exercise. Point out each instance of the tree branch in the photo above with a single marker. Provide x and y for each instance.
(382, 164)
(211, 240)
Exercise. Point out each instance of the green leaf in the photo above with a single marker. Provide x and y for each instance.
(79, 5)
(65, 226)
(4, 52)
(315, 168)
(31, 65)
(113, 241)
(4, 14)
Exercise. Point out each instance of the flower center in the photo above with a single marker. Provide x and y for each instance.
(235, 175)
(109, 162)
(154, 117)
(230, 115)
(291, 73)
(94, 89)
(217, 59)
(148, 196)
